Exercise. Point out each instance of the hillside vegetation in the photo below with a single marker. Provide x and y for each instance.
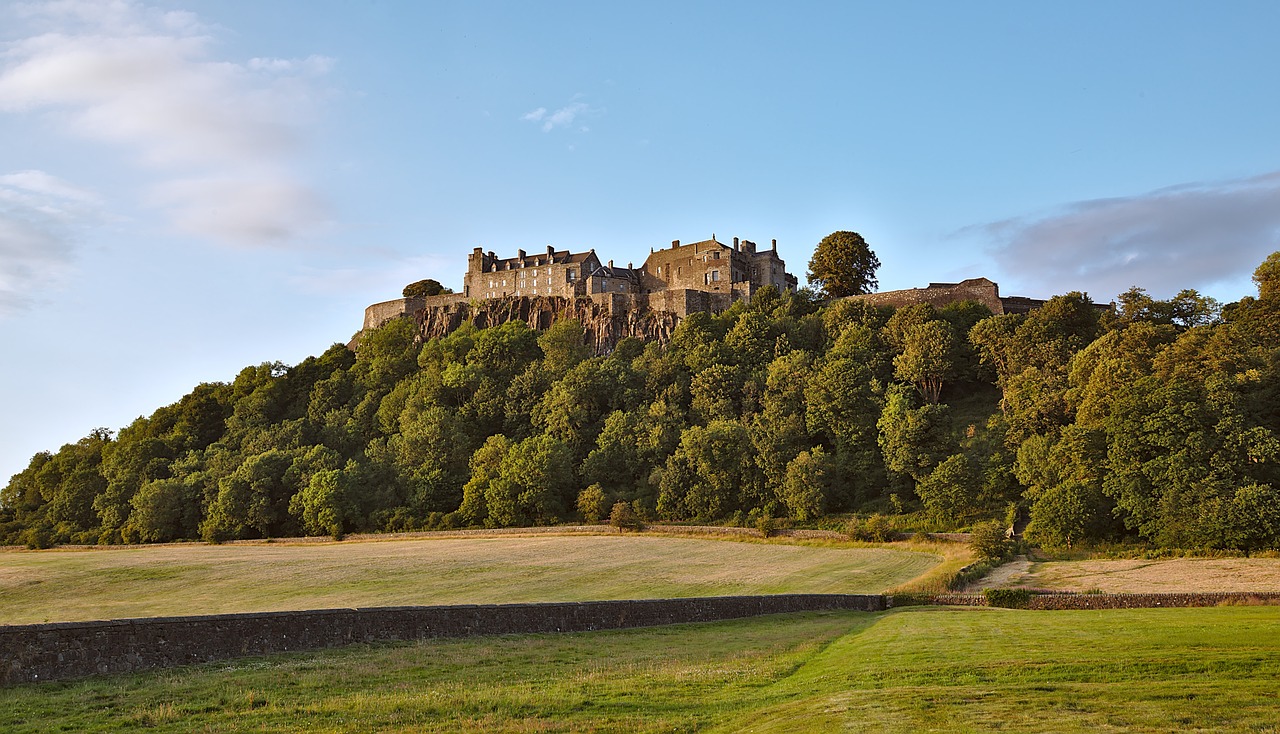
(920, 669)
(173, 580)
(1157, 422)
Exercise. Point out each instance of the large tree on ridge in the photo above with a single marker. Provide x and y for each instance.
(843, 265)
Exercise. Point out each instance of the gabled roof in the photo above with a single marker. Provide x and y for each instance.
(605, 271)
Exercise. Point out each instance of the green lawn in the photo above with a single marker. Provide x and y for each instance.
(114, 583)
(916, 669)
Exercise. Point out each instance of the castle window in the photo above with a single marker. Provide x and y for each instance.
(535, 273)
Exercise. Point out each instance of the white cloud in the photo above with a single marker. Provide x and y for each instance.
(214, 135)
(563, 117)
(1187, 236)
(40, 216)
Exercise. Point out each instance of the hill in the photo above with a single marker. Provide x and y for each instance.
(1158, 423)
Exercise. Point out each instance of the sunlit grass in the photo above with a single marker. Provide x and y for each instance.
(918, 669)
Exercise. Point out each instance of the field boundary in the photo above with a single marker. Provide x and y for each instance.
(66, 650)
(1059, 600)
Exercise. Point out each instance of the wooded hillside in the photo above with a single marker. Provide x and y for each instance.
(1158, 422)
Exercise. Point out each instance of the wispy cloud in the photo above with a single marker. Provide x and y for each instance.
(567, 116)
(217, 138)
(40, 217)
(1187, 236)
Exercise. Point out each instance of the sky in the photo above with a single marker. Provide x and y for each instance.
(191, 187)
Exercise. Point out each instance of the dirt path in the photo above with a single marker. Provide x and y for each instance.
(1013, 573)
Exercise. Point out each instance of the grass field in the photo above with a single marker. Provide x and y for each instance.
(114, 583)
(916, 669)
(1161, 575)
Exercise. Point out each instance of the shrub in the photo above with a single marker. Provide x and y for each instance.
(623, 517)
(875, 529)
(591, 503)
(1008, 598)
(38, 537)
(988, 541)
(767, 525)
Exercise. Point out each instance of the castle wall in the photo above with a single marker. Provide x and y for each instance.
(980, 290)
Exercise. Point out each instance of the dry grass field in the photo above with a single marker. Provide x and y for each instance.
(1144, 575)
(114, 583)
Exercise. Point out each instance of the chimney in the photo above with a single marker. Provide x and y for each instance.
(735, 243)
(520, 254)
(631, 266)
(675, 244)
(775, 245)
(550, 250)
(611, 265)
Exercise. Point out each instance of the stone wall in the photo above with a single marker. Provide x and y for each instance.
(1066, 600)
(980, 290)
(42, 652)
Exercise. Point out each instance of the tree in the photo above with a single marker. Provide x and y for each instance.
(843, 265)
(807, 485)
(988, 541)
(591, 503)
(926, 358)
(428, 287)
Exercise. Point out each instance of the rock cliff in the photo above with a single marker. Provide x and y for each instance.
(605, 325)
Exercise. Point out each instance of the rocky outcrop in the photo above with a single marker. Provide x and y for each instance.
(605, 321)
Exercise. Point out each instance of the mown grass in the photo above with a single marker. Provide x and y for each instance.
(918, 669)
(113, 583)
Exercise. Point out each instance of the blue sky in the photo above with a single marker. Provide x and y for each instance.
(187, 188)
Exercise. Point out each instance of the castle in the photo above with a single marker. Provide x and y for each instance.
(710, 266)
(706, 276)
(647, 302)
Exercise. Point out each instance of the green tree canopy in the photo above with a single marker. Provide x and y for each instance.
(428, 287)
(843, 265)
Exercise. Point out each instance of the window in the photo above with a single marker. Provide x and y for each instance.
(571, 276)
(715, 274)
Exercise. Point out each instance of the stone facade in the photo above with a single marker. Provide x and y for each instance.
(552, 273)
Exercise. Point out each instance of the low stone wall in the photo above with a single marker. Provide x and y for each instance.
(1068, 600)
(42, 652)
(1149, 601)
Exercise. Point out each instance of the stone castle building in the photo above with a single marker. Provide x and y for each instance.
(611, 302)
(737, 271)
(647, 302)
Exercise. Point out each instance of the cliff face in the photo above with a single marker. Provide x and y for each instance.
(604, 322)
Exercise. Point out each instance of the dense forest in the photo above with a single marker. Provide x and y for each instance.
(1153, 422)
